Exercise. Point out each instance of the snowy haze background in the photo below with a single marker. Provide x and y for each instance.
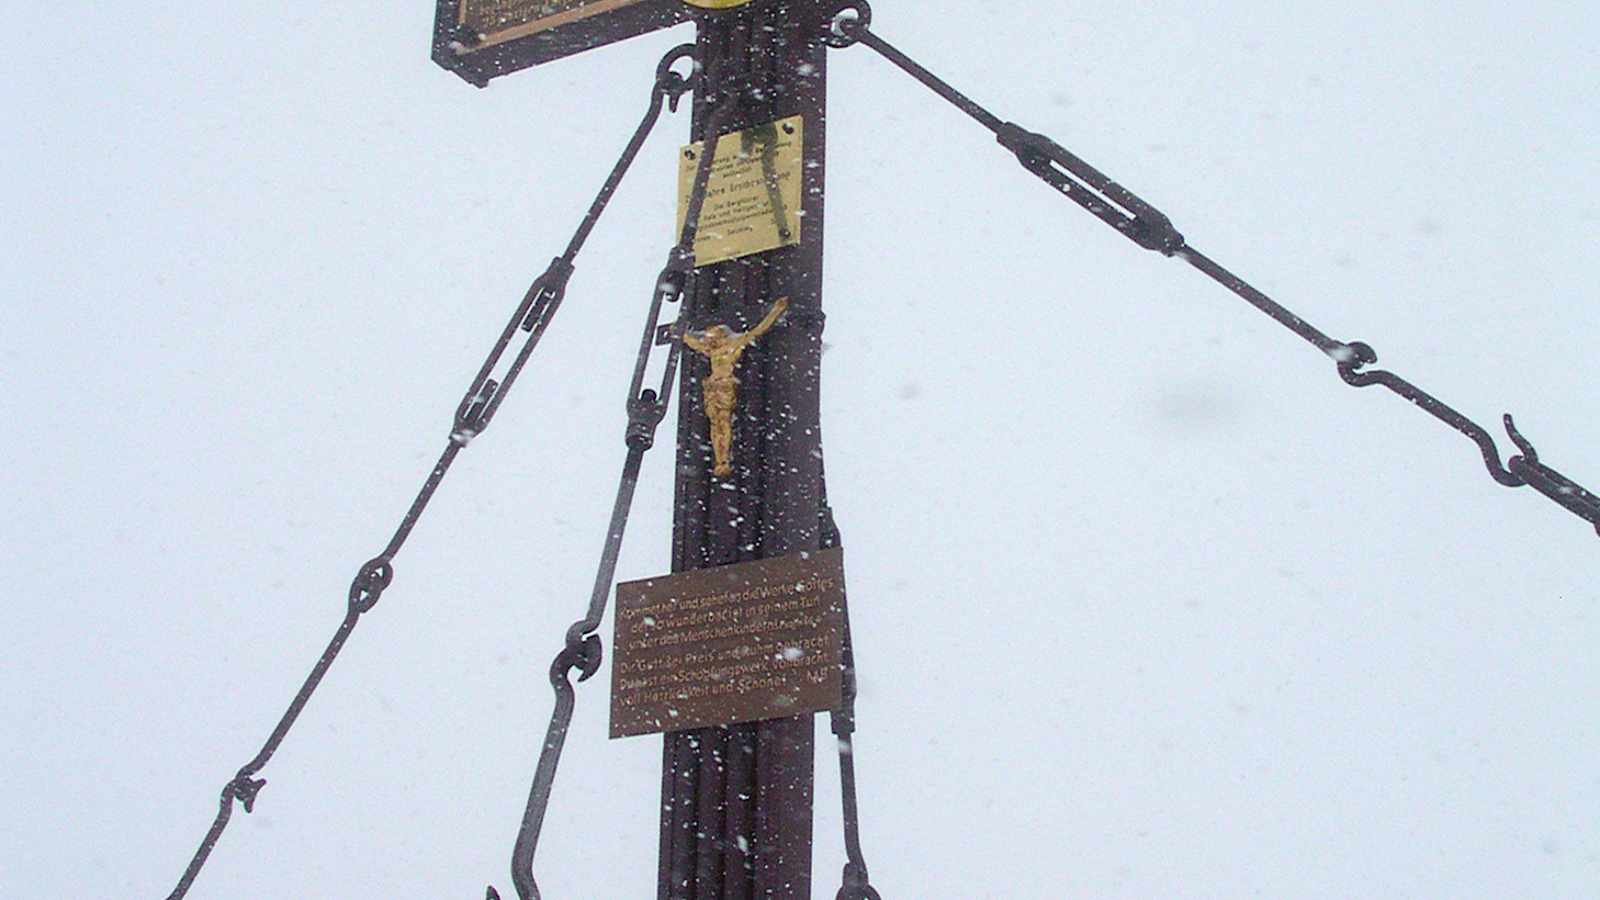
(1148, 603)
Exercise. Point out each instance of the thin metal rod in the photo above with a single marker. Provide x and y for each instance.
(477, 408)
(374, 577)
(1151, 229)
(1249, 294)
(646, 408)
(940, 86)
(533, 816)
(857, 881)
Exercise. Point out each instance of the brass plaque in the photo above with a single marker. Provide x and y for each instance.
(740, 643)
(499, 21)
(753, 197)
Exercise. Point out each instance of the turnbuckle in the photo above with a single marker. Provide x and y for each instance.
(533, 315)
(849, 22)
(647, 407)
(1090, 188)
(582, 651)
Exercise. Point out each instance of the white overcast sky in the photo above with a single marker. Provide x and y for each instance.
(1148, 603)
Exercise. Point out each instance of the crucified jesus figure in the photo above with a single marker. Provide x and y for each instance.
(723, 346)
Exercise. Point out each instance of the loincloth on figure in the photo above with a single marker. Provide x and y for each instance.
(721, 395)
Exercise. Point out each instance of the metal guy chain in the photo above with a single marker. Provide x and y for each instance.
(477, 408)
(857, 883)
(1149, 228)
(583, 650)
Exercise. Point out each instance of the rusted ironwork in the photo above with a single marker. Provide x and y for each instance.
(850, 23)
(473, 415)
(737, 800)
(480, 40)
(646, 408)
(857, 883)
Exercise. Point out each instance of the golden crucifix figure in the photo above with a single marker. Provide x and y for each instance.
(723, 346)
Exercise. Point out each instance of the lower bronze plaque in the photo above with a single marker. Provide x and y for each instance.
(739, 643)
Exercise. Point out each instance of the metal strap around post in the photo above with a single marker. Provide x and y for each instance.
(473, 415)
(1151, 229)
(583, 650)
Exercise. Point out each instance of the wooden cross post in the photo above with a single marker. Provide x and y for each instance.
(736, 802)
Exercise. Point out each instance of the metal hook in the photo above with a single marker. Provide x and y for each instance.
(847, 22)
(1568, 493)
(583, 652)
(1528, 453)
(1516, 472)
(669, 83)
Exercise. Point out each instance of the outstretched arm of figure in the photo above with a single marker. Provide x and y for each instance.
(694, 341)
(773, 315)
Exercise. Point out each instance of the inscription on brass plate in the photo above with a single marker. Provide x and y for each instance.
(506, 20)
(738, 643)
(753, 196)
